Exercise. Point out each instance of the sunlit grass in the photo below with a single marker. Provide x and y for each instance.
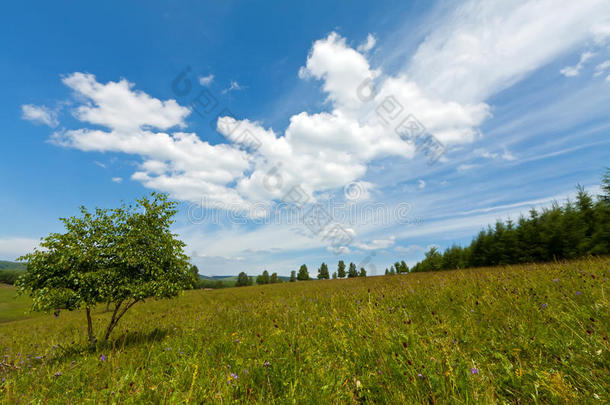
(528, 333)
(13, 306)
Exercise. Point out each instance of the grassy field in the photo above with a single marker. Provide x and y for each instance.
(12, 305)
(532, 333)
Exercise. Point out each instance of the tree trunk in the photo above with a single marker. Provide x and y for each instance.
(92, 340)
(116, 316)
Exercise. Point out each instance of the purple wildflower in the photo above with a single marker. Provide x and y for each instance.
(234, 376)
(474, 370)
(266, 364)
(102, 357)
(543, 306)
(420, 375)
(555, 280)
(578, 293)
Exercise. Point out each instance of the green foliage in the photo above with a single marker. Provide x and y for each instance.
(120, 256)
(263, 278)
(362, 272)
(501, 335)
(334, 275)
(323, 272)
(195, 280)
(573, 230)
(293, 276)
(242, 280)
(275, 279)
(214, 284)
(303, 273)
(6, 265)
(10, 276)
(352, 272)
(341, 269)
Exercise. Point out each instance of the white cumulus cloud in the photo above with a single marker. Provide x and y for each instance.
(39, 114)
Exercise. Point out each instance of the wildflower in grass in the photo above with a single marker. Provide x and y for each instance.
(266, 364)
(420, 375)
(578, 293)
(474, 370)
(543, 306)
(58, 374)
(102, 357)
(234, 376)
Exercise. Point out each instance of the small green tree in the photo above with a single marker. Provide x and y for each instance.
(362, 272)
(120, 256)
(303, 273)
(392, 270)
(274, 279)
(195, 279)
(403, 267)
(352, 272)
(242, 280)
(387, 272)
(334, 275)
(341, 269)
(323, 272)
(293, 276)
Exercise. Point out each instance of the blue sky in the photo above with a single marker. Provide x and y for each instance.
(516, 92)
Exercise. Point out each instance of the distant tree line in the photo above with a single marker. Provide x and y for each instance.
(397, 268)
(302, 275)
(10, 276)
(574, 229)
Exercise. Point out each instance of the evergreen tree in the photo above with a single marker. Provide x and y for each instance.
(558, 232)
(341, 269)
(323, 272)
(293, 276)
(242, 280)
(303, 273)
(352, 272)
(362, 272)
(403, 267)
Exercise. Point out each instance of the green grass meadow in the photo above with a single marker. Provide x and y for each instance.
(517, 334)
(12, 305)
